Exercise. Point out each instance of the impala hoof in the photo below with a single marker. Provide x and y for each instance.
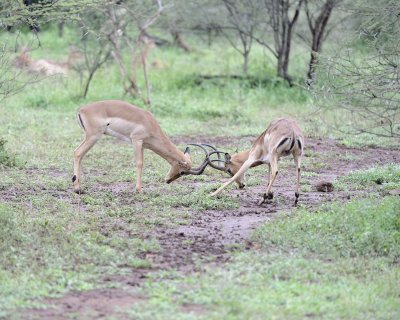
(297, 199)
(78, 191)
(266, 198)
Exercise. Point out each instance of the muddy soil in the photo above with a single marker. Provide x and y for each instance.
(212, 234)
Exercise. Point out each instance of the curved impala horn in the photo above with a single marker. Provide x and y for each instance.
(200, 169)
(214, 148)
(212, 165)
(207, 161)
(218, 152)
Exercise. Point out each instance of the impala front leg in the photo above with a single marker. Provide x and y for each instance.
(139, 164)
(246, 165)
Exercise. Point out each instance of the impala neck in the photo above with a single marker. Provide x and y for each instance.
(164, 147)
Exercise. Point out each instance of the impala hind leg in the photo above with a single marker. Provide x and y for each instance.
(297, 161)
(273, 172)
(79, 153)
(139, 164)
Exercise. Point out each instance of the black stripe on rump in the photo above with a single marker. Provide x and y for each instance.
(299, 143)
(80, 119)
(282, 142)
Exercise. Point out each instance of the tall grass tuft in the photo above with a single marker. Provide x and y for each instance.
(6, 158)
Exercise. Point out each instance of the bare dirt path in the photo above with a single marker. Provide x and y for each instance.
(211, 234)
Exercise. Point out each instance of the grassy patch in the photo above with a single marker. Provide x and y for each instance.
(258, 286)
(387, 176)
(360, 228)
(339, 262)
(48, 247)
(367, 141)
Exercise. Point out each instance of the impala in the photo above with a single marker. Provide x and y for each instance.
(282, 138)
(47, 67)
(131, 124)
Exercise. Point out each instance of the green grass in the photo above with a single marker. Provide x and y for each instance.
(386, 176)
(340, 262)
(367, 141)
(48, 247)
(359, 228)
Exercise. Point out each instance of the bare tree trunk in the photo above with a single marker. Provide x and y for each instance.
(246, 62)
(87, 84)
(92, 65)
(147, 44)
(317, 29)
(146, 79)
(60, 28)
(209, 37)
(283, 60)
(180, 42)
(282, 27)
(139, 47)
(286, 39)
(129, 83)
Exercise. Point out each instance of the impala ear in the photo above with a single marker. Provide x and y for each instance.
(187, 150)
(227, 158)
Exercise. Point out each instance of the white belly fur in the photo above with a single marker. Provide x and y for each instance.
(124, 130)
(118, 135)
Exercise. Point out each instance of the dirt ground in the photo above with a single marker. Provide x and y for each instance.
(211, 234)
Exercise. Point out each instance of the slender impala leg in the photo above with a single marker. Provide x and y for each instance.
(79, 153)
(246, 165)
(139, 164)
(297, 161)
(273, 171)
